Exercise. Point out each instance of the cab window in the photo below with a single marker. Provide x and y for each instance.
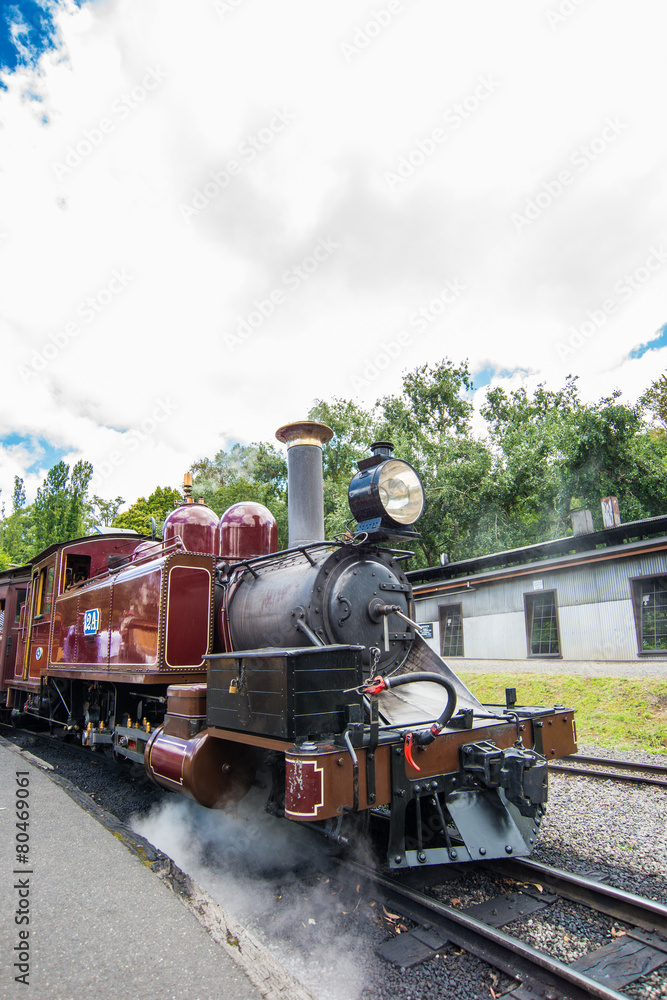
(77, 569)
(20, 601)
(45, 591)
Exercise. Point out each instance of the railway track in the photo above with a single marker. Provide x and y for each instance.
(614, 770)
(642, 949)
(536, 974)
(73, 748)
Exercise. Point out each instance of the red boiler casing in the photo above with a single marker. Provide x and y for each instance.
(196, 525)
(247, 530)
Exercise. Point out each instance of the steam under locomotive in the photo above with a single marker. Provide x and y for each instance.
(219, 663)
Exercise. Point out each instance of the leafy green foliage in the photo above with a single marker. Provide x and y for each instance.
(543, 455)
(254, 472)
(555, 454)
(60, 506)
(353, 433)
(138, 516)
(655, 400)
(261, 463)
(16, 545)
(106, 511)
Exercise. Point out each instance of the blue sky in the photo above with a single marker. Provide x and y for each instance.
(206, 223)
(660, 340)
(42, 453)
(27, 30)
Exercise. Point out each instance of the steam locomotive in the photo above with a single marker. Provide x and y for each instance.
(219, 663)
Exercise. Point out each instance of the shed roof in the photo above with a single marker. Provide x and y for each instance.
(620, 540)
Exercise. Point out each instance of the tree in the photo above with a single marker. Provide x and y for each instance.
(259, 462)
(430, 425)
(545, 453)
(60, 505)
(17, 544)
(254, 472)
(554, 454)
(18, 497)
(138, 516)
(106, 510)
(655, 401)
(354, 432)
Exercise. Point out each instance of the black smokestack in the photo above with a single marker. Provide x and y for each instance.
(304, 469)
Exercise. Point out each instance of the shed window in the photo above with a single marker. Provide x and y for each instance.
(451, 630)
(651, 603)
(542, 624)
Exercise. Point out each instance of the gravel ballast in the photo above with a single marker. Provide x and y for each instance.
(256, 867)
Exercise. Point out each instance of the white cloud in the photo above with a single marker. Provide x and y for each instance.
(145, 105)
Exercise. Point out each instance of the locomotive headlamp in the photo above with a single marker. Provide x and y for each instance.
(386, 493)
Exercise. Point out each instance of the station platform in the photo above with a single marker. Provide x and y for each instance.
(102, 922)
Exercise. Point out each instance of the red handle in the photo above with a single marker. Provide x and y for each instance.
(409, 740)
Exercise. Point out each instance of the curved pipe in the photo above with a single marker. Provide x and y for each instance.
(384, 683)
(449, 708)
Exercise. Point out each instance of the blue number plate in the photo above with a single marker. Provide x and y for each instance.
(91, 622)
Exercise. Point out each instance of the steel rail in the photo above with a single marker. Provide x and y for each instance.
(629, 765)
(509, 954)
(641, 773)
(618, 903)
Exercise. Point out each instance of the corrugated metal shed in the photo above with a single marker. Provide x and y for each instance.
(595, 600)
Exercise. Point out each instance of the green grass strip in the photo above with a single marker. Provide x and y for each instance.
(611, 711)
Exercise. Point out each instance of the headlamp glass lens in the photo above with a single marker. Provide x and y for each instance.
(401, 492)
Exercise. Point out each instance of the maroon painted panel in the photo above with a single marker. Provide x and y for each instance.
(70, 643)
(135, 616)
(188, 616)
(63, 643)
(304, 787)
(98, 549)
(167, 756)
(39, 631)
(10, 591)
